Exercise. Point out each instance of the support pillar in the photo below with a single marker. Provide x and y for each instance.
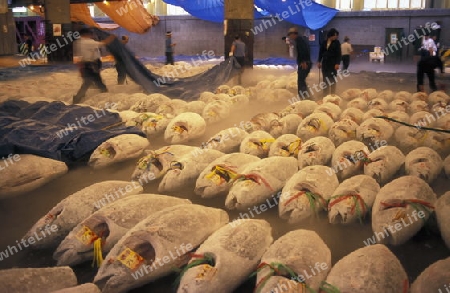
(239, 21)
(60, 47)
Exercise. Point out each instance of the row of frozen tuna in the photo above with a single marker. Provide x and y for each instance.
(226, 254)
(109, 209)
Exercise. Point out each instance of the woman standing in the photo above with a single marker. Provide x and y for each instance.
(329, 61)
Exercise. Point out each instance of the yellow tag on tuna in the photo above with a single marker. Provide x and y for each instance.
(86, 236)
(130, 259)
(207, 272)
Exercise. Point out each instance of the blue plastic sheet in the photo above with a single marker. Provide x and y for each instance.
(305, 13)
(210, 10)
(55, 130)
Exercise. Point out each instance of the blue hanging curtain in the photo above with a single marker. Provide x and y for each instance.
(305, 13)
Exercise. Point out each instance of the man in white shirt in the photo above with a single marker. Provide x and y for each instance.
(346, 49)
(428, 46)
(88, 54)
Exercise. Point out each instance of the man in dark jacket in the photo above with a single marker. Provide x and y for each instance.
(329, 61)
(303, 61)
(427, 65)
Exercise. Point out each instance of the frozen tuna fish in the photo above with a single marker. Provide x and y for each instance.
(155, 164)
(24, 173)
(401, 209)
(349, 158)
(372, 268)
(399, 105)
(184, 127)
(185, 171)
(150, 123)
(75, 208)
(352, 200)
(386, 95)
(438, 97)
(109, 224)
(354, 114)
(36, 280)
(316, 124)
(384, 163)
(259, 180)
(409, 138)
(316, 151)
(227, 140)
(351, 94)
(216, 111)
(151, 249)
(424, 163)
(342, 131)
(330, 109)
(217, 178)
(287, 145)
(434, 278)
(229, 256)
(373, 130)
(301, 251)
(117, 149)
(264, 121)
(306, 193)
(257, 143)
(443, 217)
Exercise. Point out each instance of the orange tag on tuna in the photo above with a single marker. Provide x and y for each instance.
(130, 259)
(86, 236)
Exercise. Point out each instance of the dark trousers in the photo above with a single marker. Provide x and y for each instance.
(346, 61)
(241, 61)
(90, 72)
(329, 77)
(169, 58)
(121, 72)
(302, 74)
(420, 76)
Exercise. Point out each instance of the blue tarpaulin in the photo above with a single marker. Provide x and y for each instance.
(305, 13)
(68, 133)
(211, 10)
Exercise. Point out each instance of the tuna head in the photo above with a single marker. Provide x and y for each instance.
(52, 228)
(300, 203)
(424, 163)
(184, 171)
(383, 163)
(217, 182)
(316, 151)
(126, 267)
(78, 246)
(154, 165)
(247, 191)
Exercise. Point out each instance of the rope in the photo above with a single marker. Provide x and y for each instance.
(417, 204)
(415, 126)
(253, 177)
(355, 207)
(312, 198)
(276, 269)
(328, 288)
(224, 172)
(201, 259)
(98, 256)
